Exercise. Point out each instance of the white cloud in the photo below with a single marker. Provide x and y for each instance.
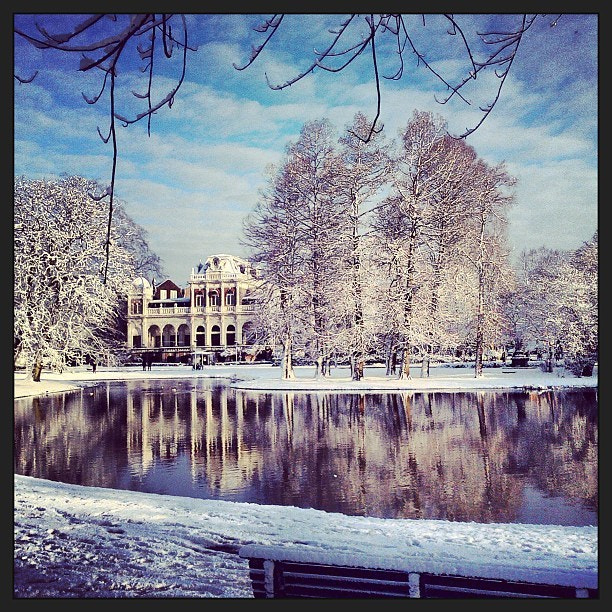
(209, 151)
(556, 205)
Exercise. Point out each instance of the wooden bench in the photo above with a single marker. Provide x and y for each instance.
(287, 572)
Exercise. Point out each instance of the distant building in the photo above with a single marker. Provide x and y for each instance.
(208, 321)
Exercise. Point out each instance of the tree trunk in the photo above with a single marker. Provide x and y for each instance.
(425, 366)
(405, 365)
(479, 343)
(287, 372)
(358, 352)
(480, 312)
(356, 366)
(549, 359)
(359, 365)
(37, 370)
(433, 312)
(319, 366)
(391, 361)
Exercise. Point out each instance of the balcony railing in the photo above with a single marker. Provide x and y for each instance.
(214, 276)
(201, 310)
(169, 311)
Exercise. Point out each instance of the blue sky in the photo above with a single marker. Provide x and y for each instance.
(193, 181)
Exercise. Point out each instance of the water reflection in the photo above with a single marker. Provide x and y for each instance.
(479, 456)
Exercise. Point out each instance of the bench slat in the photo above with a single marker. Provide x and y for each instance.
(297, 579)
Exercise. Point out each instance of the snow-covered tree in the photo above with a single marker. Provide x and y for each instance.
(556, 304)
(486, 234)
(578, 283)
(300, 232)
(529, 304)
(444, 229)
(63, 308)
(270, 231)
(365, 169)
(412, 226)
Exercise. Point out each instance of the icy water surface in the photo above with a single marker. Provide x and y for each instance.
(507, 457)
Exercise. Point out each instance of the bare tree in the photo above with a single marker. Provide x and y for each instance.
(416, 178)
(272, 235)
(528, 304)
(578, 284)
(556, 298)
(444, 224)
(300, 231)
(397, 227)
(315, 169)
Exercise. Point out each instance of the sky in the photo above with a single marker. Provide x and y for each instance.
(76, 541)
(193, 181)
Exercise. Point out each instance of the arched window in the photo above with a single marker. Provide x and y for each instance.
(136, 306)
(200, 336)
(215, 336)
(154, 336)
(230, 335)
(169, 336)
(213, 298)
(183, 335)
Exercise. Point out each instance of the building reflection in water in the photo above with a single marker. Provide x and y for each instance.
(477, 456)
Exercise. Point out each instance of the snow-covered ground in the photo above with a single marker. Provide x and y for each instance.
(75, 541)
(264, 377)
(92, 542)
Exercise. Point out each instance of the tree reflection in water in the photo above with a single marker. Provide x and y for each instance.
(476, 456)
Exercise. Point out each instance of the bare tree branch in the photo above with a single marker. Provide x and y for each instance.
(105, 53)
(504, 45)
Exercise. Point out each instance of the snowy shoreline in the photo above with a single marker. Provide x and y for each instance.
(267, 378)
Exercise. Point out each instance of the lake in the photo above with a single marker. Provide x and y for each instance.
(504, 457)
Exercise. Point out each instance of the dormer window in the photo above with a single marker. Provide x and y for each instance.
(163, 294)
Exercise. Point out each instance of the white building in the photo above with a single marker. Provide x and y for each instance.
(208, 321)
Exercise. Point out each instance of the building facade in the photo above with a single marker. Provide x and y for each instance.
(208, 321)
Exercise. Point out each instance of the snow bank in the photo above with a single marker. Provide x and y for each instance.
(140, 544)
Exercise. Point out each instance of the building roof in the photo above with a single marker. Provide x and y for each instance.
(141, 282)
(223, 262)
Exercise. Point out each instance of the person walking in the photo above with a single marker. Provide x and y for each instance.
(149, 362)
(144, 362)
(94, 365)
